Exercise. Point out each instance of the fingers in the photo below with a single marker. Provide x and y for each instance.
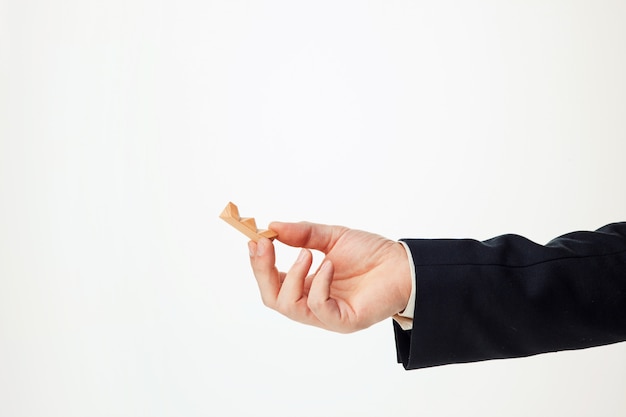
(297, 295)
(319, 301)
(292, 289)
(308, 235)
(262, 260)
(282, 292)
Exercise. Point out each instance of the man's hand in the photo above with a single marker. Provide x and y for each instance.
(363, 279)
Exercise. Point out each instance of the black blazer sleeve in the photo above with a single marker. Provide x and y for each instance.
(509, 297)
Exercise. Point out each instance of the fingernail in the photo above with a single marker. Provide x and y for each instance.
(260, 248)
(251, 248)
(325, 266)
(301, 256)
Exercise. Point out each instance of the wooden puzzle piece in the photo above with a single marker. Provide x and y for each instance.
(245, 225)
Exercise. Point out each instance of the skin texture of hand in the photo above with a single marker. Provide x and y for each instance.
(364, 278)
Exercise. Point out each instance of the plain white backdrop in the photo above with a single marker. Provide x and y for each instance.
(126, 127)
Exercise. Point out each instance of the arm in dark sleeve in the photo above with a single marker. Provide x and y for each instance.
(509, 297)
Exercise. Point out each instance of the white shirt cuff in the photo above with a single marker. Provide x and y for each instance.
(405, 317)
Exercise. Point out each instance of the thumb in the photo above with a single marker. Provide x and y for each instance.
(307, 235)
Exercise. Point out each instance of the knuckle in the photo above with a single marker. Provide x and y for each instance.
(281, 306)
(315, 303)
(267, 302)
(287, 308)
(284, 308)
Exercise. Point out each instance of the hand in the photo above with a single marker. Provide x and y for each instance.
(363, 279)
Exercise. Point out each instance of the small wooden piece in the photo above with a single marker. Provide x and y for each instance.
(245, 225)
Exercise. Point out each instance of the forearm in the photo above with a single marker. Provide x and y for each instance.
(509, 297)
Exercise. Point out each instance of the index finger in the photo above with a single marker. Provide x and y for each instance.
(262, 260)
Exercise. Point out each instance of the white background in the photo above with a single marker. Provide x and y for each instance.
(127, 125)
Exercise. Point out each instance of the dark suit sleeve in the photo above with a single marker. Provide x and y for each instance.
(509, 297)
